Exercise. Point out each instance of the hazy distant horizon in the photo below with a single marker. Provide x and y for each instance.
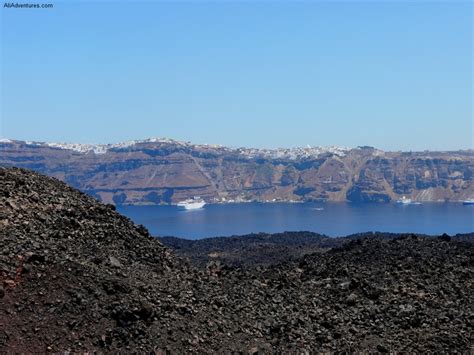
(393, 75)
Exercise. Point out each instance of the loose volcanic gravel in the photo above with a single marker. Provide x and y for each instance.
(77, 276)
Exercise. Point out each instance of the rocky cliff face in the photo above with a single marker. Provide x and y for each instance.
(164, 171)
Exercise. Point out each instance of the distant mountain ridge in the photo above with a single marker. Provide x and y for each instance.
(164, 171)
(290, 153)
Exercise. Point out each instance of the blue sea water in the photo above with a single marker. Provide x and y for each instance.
(333, 219)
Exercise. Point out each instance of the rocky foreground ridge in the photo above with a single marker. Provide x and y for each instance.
(77, 276)
(163, 171)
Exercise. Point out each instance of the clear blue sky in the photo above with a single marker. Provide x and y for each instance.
(395, 75)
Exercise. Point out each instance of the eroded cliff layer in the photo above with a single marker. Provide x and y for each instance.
(165, 171)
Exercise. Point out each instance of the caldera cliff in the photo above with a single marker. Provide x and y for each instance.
(163, 171)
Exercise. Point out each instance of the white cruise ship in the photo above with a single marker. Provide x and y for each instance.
(404, 201)
(192, 204)
(469, 201)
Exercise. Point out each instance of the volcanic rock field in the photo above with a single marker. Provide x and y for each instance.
(77, 276)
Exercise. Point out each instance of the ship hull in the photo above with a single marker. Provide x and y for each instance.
(192, 205)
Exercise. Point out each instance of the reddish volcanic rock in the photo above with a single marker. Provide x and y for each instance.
(76, 276)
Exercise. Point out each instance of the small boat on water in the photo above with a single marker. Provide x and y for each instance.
(404, 201)
(192, 204)
(469, 201)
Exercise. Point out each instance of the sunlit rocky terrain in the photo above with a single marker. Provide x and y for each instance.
(76, 276)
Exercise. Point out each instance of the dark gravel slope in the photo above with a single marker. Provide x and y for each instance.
(77, 276)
